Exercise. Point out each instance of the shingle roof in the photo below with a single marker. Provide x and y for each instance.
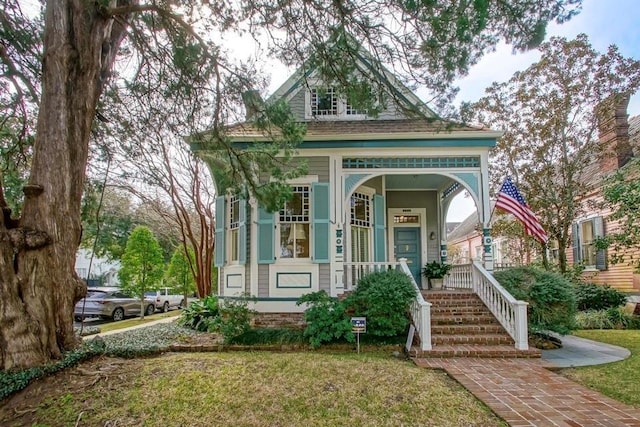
(353, 128)
(466, 227)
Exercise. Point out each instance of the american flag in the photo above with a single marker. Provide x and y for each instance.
(510, 200)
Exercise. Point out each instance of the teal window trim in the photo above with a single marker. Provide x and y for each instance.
(219, 248)
(293, 274)
(320, 207)
(266, 238)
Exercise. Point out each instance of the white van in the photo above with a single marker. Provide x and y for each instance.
(164, 299)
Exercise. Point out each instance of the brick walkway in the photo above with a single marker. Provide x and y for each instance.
(524, 393)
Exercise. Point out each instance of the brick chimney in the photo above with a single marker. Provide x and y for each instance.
(613, 133)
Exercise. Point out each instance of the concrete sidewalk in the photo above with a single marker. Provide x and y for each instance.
(577, 351)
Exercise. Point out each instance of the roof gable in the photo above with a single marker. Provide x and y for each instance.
(368, 68)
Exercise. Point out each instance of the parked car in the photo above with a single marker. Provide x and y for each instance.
(164, 299)
(110, 303)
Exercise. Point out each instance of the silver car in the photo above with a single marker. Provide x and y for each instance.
(110, 303)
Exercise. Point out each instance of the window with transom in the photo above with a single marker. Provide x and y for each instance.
(234, 228)
(360, 227)
(295, 218)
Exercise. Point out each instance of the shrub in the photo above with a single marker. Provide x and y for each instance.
(208, 315)
(234, 319)
(383, 298)
(591, 296)
(550, 296)
(611, 318)
(199, 315)
(326, 319)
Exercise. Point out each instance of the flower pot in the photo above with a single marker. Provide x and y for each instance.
(436, 283)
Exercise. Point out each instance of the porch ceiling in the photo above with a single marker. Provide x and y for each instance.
(417, 181)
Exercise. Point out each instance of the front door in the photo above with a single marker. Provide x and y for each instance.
(407, 245)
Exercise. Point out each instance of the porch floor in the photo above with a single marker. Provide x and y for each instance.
(525, 393)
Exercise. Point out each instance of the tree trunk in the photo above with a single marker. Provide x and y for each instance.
(38, 283)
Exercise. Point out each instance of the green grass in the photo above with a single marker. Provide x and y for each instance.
(257, 389)
(112, 326)
(619, 380)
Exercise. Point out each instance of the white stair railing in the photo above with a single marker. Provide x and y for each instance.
(511, 313)
(420, 311)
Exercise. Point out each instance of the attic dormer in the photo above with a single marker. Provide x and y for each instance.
(325, 103)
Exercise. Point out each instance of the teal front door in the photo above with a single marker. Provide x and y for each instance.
(407, 245)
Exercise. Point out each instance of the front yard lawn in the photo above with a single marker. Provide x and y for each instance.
(619, 380)
(247, 389)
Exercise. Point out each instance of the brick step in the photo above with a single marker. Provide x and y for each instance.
(460, 310)
(480, 339)
(471, 350)
(446, 295)
(467, 329)
(463, 319)
(457, 303)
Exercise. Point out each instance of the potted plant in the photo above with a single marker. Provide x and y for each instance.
(435, 272)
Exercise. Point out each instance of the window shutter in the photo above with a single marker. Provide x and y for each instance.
(575, 241)
(379, 241)
(320, 220)
(598, 231)
(242, 231)
(266, 233)
(219, 231)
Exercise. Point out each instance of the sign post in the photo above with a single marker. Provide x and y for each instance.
(358, 326)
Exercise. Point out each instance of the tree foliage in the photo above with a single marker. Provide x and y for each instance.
(179, 275)
(107, 53)
(621, 194)
(550, 115)
(142, 264)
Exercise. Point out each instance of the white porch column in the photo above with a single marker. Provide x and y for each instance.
(485, 201)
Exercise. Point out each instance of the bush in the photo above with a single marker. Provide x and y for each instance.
(550, 296)
(591, 296)
(199, 315)
(326, 319)
(383, 298)
(234, 320)
(611, 318)
(208, 315)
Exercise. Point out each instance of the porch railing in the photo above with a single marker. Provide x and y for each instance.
(353, 271)
(460, 277)
(511, 313)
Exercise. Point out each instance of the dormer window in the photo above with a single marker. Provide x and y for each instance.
(325, 102)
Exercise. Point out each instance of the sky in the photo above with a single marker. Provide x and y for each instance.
(606, 22)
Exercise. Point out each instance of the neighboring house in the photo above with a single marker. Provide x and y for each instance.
(620, 139)
(103, 272)
(465, 244)
(377, 190)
